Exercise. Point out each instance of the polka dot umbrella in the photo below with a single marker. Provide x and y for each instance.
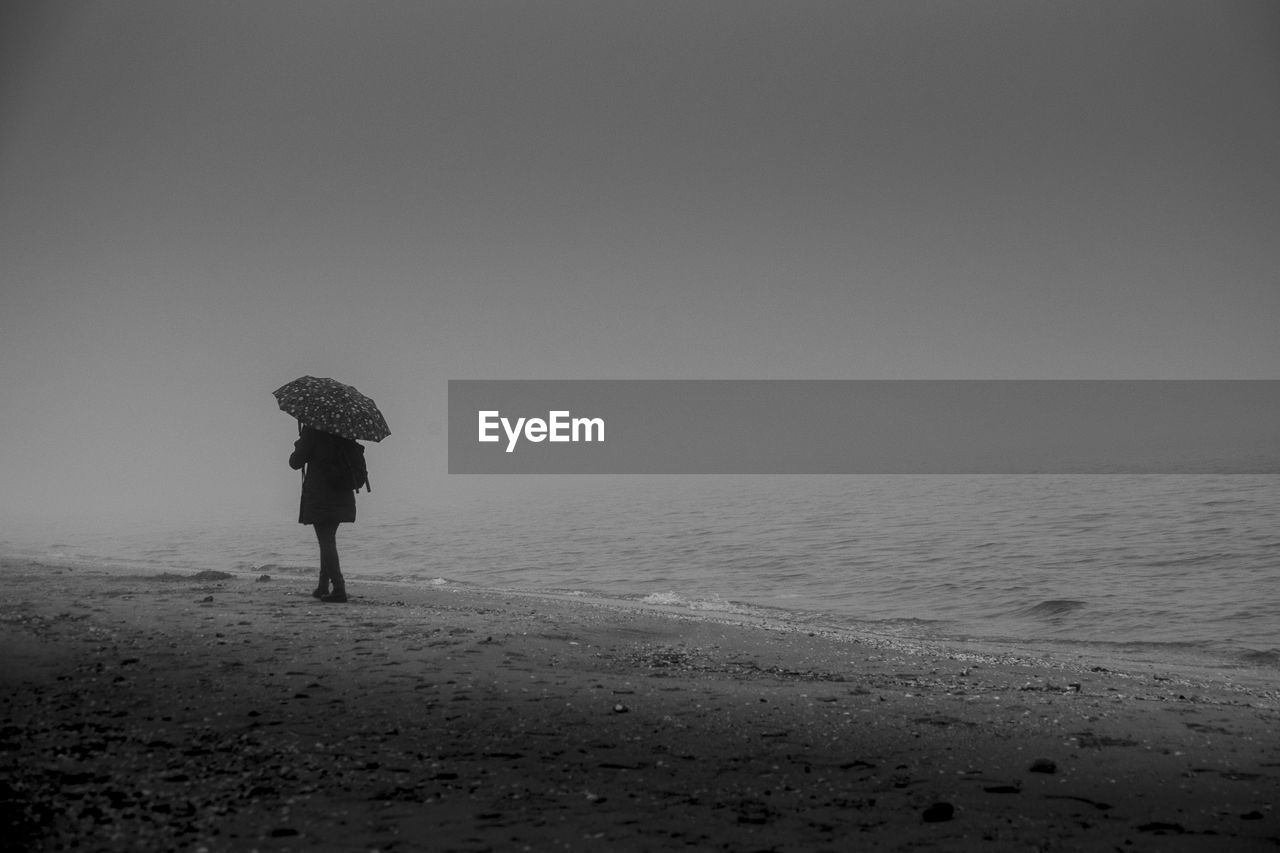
(330, 406)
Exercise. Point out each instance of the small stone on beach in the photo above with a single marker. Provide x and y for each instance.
(939, 812)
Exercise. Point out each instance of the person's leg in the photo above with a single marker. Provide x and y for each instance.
(327, 541)
(327, 536)
(322, 586)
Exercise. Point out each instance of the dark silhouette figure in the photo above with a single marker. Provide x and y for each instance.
(327, 501)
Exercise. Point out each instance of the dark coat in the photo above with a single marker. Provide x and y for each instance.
(321, 503)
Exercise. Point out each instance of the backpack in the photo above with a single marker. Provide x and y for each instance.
(347, 469)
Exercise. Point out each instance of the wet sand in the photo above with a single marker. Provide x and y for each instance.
(179, 713)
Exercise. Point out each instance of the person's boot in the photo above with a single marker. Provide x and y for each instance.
(322, 589)
(339, 594)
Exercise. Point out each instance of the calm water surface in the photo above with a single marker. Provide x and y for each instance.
(1167, 567)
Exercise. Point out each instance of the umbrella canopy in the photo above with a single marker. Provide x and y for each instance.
(330, 406)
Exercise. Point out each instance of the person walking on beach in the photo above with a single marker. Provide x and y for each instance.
(328, 499)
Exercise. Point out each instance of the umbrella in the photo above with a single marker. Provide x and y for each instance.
(330, 406)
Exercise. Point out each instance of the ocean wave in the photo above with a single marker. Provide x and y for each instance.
(1260, 657)
(1053, 609)
(713, 604)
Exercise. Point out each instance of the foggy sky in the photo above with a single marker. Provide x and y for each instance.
(202, 201)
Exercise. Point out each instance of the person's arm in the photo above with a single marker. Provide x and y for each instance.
(301, 450)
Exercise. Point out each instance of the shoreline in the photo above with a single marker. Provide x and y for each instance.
(1206, 671)
(186, 714)
(1255, 659)
(1252, 669)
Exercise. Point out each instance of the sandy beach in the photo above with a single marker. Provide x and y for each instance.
(235, 713)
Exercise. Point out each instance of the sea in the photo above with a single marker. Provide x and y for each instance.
(1156, 569)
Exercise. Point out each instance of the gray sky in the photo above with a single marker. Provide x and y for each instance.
(201, 201)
